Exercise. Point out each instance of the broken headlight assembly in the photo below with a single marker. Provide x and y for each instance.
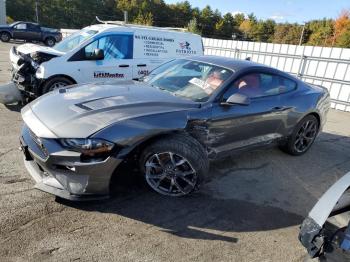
(90, 149)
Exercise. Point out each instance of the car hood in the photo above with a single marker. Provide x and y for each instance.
(80, 111)
(4, 27)
(32, 48)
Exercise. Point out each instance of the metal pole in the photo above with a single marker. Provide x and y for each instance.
(36, 11)
(125, 17)
(302, 34)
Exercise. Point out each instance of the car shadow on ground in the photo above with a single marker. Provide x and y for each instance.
(274, 194)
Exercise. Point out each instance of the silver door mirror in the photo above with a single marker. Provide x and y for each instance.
(237, 99)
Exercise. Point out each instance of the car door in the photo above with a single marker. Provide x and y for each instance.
(117, 63)
(20, 31)
(240, 126)
(33, 32)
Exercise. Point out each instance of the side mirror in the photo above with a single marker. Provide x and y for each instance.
(237, 99)
(98, 54)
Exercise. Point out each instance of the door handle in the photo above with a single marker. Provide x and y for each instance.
(123, 65)
(280, 108)
(141, 65)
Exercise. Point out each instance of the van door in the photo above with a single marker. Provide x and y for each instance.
(117, 63)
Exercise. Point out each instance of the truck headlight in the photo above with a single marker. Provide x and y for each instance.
(39, 72)
(89, 148)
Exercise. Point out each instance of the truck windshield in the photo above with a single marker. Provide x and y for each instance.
(189, 79)
(74, 40)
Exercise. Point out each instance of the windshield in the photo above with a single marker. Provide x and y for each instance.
(189, 79)
(74, 40)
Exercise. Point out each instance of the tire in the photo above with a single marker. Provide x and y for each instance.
(50, 41)
(174, 165)
(56, 83)
(303, 136)
(5, 37)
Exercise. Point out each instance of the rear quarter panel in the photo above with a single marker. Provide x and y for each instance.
(303, 101)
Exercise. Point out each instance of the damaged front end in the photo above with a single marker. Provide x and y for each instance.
(325, 233)
(24, 68)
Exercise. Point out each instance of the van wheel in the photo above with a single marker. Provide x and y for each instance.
(174, 165)
(56, 83)
(50, 41)
(5, 37)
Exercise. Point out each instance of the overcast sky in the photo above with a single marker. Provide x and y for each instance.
(279, 10)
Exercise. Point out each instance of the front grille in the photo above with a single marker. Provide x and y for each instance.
(38, 142)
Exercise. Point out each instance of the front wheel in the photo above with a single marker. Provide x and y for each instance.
(56, 83)
(175, 165)
(5, 37)
(302, 137)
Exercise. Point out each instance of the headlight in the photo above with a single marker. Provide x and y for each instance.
(34, 64)
(88, 147)
(40, 72)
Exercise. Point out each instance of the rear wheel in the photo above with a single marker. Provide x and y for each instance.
(56, 83)
(302, 137)
(50, 41)
(175, 165)
(5, 37)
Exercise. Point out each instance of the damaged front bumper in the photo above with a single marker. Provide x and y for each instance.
(23, 73)
(327, 226)
(62, 173)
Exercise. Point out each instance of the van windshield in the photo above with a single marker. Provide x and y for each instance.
(189, 79)
(74, 40)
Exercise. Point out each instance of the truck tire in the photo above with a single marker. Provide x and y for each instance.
(303, 136)
(50, 41)
(5, 37)
(56, 83)
(174, 165)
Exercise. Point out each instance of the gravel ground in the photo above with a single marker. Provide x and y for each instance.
(249, 211)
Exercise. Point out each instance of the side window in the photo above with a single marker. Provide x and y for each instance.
(260, 84)
(21, 26)
(32, 27)
(114, 47)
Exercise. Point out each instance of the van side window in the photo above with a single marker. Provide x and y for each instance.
(260, 84)
(114, 47)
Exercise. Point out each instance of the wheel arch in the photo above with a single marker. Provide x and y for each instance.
(6, 31)
(56, 76)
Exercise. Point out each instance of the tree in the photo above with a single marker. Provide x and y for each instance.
(287, 34)
(319, 32)
(341, 29)
(193, 26)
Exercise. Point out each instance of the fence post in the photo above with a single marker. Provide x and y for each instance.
(236, 54)
(303, 61)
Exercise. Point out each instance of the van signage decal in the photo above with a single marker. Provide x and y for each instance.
(185, 48)
(154, 46)
(143, 72)
(101, 74)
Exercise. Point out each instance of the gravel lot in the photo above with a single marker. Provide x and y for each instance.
(249, 211)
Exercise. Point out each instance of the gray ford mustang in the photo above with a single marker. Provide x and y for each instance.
(171, 123)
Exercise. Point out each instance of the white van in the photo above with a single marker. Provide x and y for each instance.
(100, 52)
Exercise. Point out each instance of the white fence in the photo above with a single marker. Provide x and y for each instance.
(326, 66)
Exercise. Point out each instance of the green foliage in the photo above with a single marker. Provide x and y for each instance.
(206, 21)
(193, 26)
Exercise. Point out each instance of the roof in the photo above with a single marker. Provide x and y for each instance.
(230, 63)
(132, 28)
